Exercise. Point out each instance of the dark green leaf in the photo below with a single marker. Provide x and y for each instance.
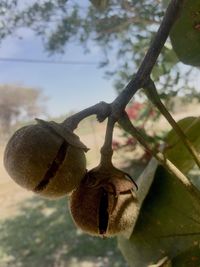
(168, 226)
(185, 35)
(176, 151)
(100, 4)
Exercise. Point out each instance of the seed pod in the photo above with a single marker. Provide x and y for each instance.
(105, 202)
(39, 158)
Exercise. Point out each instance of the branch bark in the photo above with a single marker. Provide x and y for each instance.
(150, 58)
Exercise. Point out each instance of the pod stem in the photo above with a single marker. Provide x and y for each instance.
(151, 92)
(106, 150)
(125, 122)
(102, 110)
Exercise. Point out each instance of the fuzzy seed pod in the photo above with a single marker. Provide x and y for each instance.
(39, 158)
(105, 202)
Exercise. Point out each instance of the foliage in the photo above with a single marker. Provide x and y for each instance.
(187, 46)
(18, 102)
(175, 151)
(165, 226)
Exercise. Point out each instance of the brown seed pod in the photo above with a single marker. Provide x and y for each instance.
(38, 158)
(105, 202)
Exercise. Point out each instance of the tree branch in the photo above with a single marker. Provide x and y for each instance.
(142, 75)
(128, 126)
(152, 94)
(150, 58)
(102, 110)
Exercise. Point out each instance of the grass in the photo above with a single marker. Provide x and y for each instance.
(43, 234)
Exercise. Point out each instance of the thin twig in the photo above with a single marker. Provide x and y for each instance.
(102, 110)
(128, 126)
(150, 58)
(106, 150)
(152, 94)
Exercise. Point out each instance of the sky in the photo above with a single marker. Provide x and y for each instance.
(68, 87)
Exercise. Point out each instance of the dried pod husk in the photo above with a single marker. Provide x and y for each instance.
(40, 159)
(105, 203)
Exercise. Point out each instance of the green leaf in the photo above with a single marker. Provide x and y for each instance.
(176, 151)
(185, 35)
(169, 60)
(157, 72)
(168, 226)
(100, 4)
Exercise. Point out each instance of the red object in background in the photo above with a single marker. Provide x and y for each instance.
(152, 113)
(134, 110)
(146, 156)
(115, 145)
(131, 141)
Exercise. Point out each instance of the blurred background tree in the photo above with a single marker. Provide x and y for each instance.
(19, 103)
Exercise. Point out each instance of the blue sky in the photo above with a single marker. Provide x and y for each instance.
(69, 87)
